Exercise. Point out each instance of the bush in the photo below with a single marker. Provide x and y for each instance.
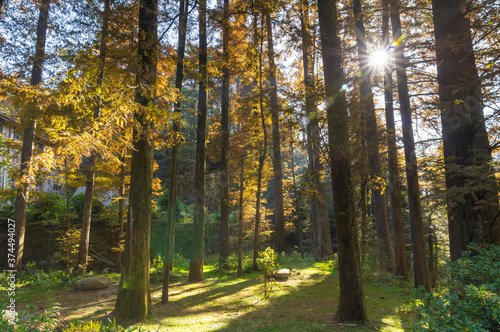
(28, 321)
(100, 215)
(7, 204)
(268, 262)
(468, 299)
(44, 207)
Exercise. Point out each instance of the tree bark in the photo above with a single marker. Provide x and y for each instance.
(400, 265)
(28, 138)
(296, 195)
(279, 217)
(121, 219)
(240, 217)
(224, 205)
(467, 153)
(197, 249)
(375, 170)
(322, 243)
(172, 189)
(351, 302)
(262, 152)
(134, 297)
(421, 273)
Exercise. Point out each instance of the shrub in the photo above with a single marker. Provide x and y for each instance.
(44, 207)
(468, 299)
(268, 262)
(7, 204)
(99, 213)
(28, 321)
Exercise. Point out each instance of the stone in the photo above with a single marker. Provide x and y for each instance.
(282, 274)
(92, 283)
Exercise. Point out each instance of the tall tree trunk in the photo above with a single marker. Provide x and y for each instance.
(351, 302)
(364, 220)
(322, 243)
(400, 265)
(421, 273)
(380, 205)
(197, 249)
(240, 217)
(172, 189)
(467, 153)
(279, 217)
(224, 203)
(432, 253)
(121, 219)
(296, 194)
(28, 137)
(134, 297)
(66, 193)
(262, 151)
(83, 249)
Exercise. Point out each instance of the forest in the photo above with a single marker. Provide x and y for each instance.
(249, 165)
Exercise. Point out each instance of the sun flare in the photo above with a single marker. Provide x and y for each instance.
(379, 58)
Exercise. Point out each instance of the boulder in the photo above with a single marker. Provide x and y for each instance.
(92, 283)
(282, 274)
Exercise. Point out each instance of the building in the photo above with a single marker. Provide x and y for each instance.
(10, 158)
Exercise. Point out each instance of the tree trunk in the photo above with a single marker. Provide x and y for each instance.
(83, 249)
(224, 204)
(322, 244)
(121, 208)
(421, 273)
(364, 221)
(197, 250)
(296, 194)
(66, 193)
(351, 302)
(400, 265)
(28, 137)
(279, 217)
(240, 217)
(467, 153)
(134, 297)
(379, 200)
(262, 153)
(432, 253)
(172, 189)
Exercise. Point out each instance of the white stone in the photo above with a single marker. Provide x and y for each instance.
(282, 274)
(92, 283)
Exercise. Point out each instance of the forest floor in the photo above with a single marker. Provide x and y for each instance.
(223, 302)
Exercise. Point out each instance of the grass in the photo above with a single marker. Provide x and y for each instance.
(225, 302)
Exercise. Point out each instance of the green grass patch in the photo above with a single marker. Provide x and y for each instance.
(307, 301)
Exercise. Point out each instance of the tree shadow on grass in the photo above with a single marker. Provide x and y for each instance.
(312, 308)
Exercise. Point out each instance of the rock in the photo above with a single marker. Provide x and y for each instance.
(92, 283)
(282, 274)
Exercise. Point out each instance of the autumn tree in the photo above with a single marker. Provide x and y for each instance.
(28, 137)
(197, 249)
(421, 275)
(351, 302)
(224, 209)
(322, 243)
(172, 189)
(472, 205)
(89, 184)
(134, 297)
(374, 165)
(400, 265)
